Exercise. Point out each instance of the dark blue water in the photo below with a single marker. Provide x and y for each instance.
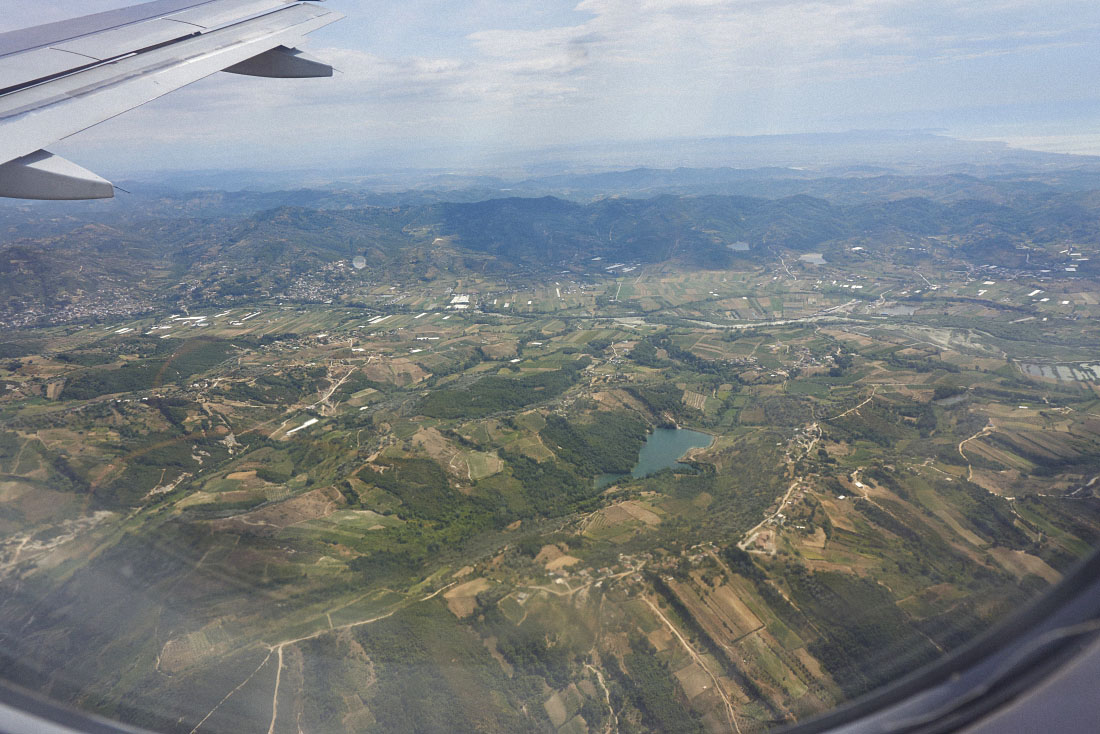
(662, 450)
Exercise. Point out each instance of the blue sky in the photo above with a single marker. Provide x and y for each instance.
(445, 82)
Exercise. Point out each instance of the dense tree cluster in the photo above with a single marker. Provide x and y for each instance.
(494, 394)
(609, 444)
(190, 357)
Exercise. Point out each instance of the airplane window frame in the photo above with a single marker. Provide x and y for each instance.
(953, 694)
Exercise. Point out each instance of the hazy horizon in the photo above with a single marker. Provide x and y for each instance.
(440, 85)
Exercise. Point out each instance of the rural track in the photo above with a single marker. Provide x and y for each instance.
(613, 720)
(989, 428)
(730, 714)
(848, 412)
(750, 535)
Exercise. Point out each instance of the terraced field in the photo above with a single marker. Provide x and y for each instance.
(317, 538)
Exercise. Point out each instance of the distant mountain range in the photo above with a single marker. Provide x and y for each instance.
(212, 243)
(168, 245)
(694, 161)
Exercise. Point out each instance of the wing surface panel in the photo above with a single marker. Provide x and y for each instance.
(113, 34)
(25, 39)
(219, 13)
(37, 64)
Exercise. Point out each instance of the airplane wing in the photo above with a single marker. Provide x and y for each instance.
(59, 79)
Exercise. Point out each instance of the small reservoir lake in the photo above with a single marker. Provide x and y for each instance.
(662, 450)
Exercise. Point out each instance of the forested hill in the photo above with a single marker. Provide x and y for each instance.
(694, 230)
(242, 254)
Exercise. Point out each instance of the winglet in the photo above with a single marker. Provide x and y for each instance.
(43, 175)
